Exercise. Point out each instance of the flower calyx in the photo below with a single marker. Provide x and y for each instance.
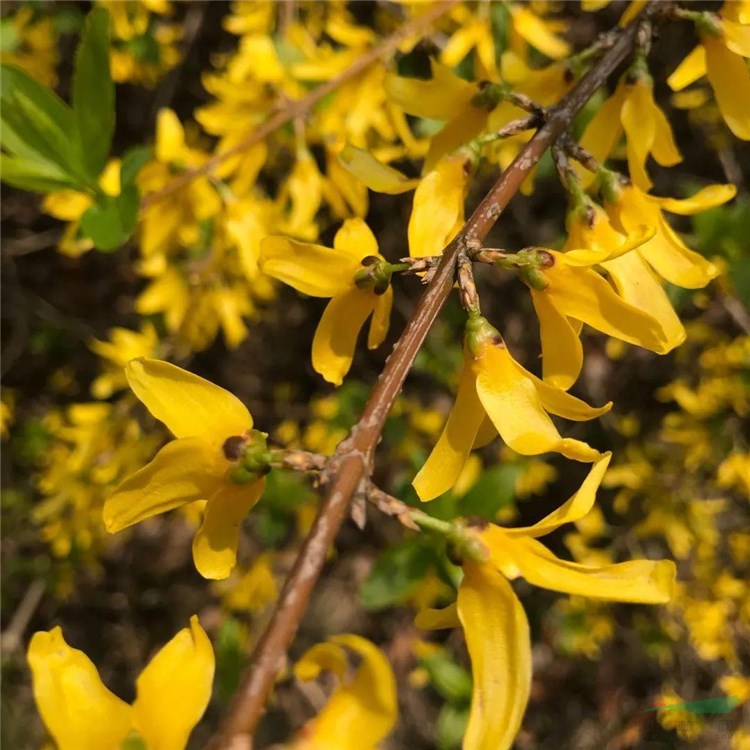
(249, 455)
(376, 274)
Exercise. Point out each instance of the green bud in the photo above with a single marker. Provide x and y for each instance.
(479, 334)
(534, 277)
(489, 95)
(375, 274)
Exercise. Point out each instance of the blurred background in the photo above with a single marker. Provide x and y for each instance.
(71, 317)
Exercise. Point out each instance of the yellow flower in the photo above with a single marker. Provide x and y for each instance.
(215, 458)
(570, 292)
(353, 274)
(497, 395)
(665, 252)
(495, 625)
(80, 713)
(724, 43)
(362, 710)
(632, 108)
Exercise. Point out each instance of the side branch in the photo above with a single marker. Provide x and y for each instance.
(350, 467)
(299, 107)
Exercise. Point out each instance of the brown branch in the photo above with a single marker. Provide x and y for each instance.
(298, 108)
(352, 462)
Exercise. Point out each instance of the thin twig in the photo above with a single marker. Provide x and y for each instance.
(352, 462)
(297, 109)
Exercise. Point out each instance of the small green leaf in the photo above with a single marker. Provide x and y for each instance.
(451, 726)
(111, 220)
(36, 176)
(449, 678)
(395, 574)
(94, 92)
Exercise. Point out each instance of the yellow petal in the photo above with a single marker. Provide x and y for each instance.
(737, 37)
(638, 581)
(603, 131)
(562, 352)
(640, 127)
(497, 638)
(438, 619)
(183, 471)
(365, 708)
(355, 239)
(447, 459)
(574, 508)
(377, 176)
(705, 199)
(537, 33)
(170, 137)
(689, 70)
(637, 284)
(311, 269)
(512, 402)
(440, 98)
(438, 211)
(215, 544)
(466, 125)
(336, 335)
(590, 256)
(322, 657)
(381, 319)
(78, 711)
(664, 149)
(583, 294)
(730, 80)
(188, 405)
(174, 689)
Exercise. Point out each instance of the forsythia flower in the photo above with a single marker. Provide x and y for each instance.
(632, 108)
(570, 292)
(353, 274)
(362, 710)
(495, 625)
(497, 395)
(217, 457)
(725, 41)
(80, 713)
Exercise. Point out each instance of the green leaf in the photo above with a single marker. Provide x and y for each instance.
(111, 220)
(494, 489)
(395, 574)
(449, 678)
(13, 78)
(36, 176)
(36, 136)
(132, 162)
(94, 92)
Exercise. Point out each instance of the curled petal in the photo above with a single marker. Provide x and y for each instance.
(174, 689)
(442, 468)
(77, 709)
(637, 581)
(537, 33)
(365, 708)
(336, 335)
(377, 176)
(592, 256)
(438, 619)
(381, 318)
(705, 199)
(640, 127)
(322, 657)
(737, 37)
(497, 637)
(603, 132)
(689, 70)
(311, 269)
(183, 471)
(188, 405)
(438, 211)
(440, 98)
(215, 544)
(574, 509)
(562, 352)
(730, 80)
